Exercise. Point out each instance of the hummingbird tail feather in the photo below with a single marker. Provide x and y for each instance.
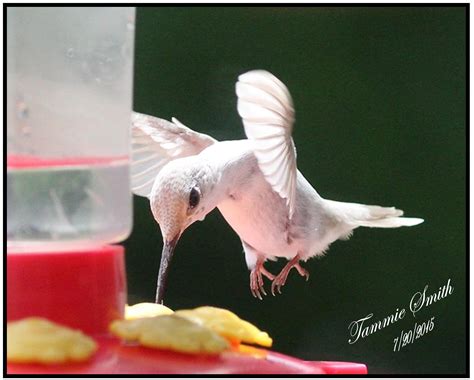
(391, 222)
(372, 216)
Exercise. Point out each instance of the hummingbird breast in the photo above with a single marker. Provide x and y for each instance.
(256, 213)
(260, 216)
(258, 222)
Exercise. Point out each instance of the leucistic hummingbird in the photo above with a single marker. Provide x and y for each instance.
(254, 183)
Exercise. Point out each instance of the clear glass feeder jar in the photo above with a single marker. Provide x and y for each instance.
(69, 99)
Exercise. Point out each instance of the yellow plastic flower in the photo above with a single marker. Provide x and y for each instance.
(146, 309)
(38, 340)
(170, 332)
(227, 324)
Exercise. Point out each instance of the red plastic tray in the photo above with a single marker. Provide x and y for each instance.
(86, 289)
(114, 357)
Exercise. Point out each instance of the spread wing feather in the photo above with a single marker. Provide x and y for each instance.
(155, 142)
(266, 108)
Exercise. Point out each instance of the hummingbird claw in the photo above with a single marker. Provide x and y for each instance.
(256, 280)
(303, 272)
(281, 278)
(252, 286)
(260, 283)
(276, 285)
(279, 281)
(256, 294)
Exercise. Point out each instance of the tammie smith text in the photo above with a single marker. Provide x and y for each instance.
(365, 326)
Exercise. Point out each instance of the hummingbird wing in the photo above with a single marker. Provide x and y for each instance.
(155, 142)
(266, 108)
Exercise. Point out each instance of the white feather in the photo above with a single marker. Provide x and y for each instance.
(266, 108)
(392, 222)
(155, 142)
(360, 215)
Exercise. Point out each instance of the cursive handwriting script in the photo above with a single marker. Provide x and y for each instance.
(363, 327)
(420, 299)
(357, 329)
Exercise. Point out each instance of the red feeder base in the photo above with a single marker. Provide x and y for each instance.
(83, 289)
(86, 289)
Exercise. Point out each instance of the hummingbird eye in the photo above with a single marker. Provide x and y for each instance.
(194, 198)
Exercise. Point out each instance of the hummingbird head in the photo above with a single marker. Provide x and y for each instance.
(182, 194)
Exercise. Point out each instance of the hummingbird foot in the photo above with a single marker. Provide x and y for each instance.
(256, 280)
(303, 272)
(280, 279)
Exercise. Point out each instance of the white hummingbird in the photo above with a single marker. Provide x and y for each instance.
(254, 183)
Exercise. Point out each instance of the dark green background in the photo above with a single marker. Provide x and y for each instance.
(380, 98)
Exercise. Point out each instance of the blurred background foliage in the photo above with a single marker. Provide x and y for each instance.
(380, 99)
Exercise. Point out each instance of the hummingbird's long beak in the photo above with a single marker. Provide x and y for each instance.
(166, 256)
